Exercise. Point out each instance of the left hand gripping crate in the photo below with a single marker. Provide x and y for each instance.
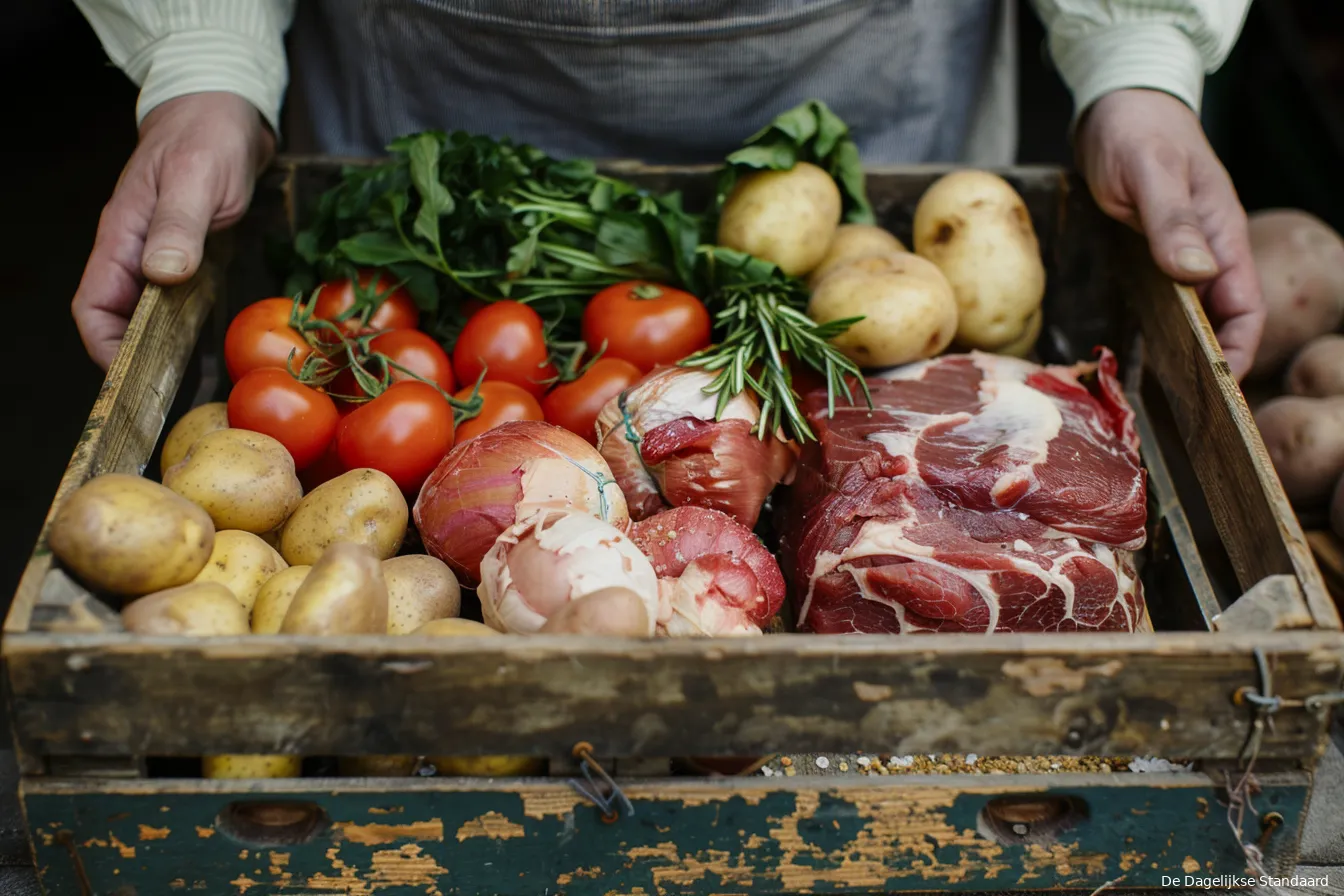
(1238, 602)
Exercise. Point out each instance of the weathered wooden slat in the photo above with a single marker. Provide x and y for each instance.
(750, 836)
(1274, 603)
(1168, 693)
(127, 417)
(1250, 509)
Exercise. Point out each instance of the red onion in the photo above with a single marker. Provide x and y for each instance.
(504, 475)
(541, 565)
(714, 575)
(666, 448)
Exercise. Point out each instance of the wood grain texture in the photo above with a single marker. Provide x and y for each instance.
(746, 836)
(1164, 694)
(126, 420)
(1251, 511)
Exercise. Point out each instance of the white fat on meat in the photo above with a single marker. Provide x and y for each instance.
(886, 537)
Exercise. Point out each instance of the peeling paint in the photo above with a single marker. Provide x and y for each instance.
(386, 810)
(149, 833)
(381, 834)
(127, 852)
(492, 825)
(243, 883)
(204, 833)
(1043, 676)
(1203, 809)
(1190, 865)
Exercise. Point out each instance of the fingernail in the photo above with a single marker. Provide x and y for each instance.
(168, 261)
(1196, 262)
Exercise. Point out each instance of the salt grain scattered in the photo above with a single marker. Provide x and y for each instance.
(902, 761)
(865, 761)
(767, 770)
(971, 758)
(823, 762)
(1153, 764)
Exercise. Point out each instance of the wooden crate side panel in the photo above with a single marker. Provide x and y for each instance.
(122, 430)
(754, 837)
(1252, 512)
(1164, 694)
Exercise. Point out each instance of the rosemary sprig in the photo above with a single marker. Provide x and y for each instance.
(760, 323)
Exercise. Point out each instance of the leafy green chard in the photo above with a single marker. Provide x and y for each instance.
(458, 216)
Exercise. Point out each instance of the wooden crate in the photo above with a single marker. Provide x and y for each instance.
(1237, 599)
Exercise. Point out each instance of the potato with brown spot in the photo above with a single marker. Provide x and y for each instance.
(852, 242)
(1318, 370)
(241, 562)
(194, 423)
(1305, 439)
(130, 536)
(244, 480)
(786, 217)
(343, 594)
(200, 608)
(1300, 260)
(420, 588)
(976, 228)
(909, 311)
(363, 507)
(274, 598)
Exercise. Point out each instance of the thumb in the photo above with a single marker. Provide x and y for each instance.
(1167, 215)
(186, 205)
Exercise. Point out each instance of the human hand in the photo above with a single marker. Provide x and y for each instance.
(192, 172)
(1149, 165)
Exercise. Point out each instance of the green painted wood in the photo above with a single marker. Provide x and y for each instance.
(687, 836)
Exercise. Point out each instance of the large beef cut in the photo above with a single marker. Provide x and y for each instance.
(980, 493)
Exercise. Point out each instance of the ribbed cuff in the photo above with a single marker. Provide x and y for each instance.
(1138, 55)
(206, 61)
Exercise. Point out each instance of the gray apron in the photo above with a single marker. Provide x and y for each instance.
(664, 81)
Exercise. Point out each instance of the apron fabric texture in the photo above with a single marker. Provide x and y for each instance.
(662, 81)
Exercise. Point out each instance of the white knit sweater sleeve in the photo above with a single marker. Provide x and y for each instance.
(172, 48)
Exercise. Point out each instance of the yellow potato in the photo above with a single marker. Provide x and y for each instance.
(1024, 345)
(616, 612)
(198, 608)
(244, 480)
(194, 423)
(455, 628)
(343, 594)
(241, 562)
(362, 507)
(376, 766)
(252, 766)
(274, 598)
(788, 217)
(420, 588)
(488, 766)
(977, 229)
(130, 536)
(909, 312)
(852, 242)
(477, 766)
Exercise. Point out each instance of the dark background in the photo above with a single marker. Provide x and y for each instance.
(1273, 113)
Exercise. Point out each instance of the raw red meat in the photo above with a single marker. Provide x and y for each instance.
(714, 575)
(981, 493)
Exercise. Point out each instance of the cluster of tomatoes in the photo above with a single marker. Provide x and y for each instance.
(294, 377)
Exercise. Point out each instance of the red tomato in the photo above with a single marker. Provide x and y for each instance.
(404, 432)
(260, 336)
(575, 405)
(500, 403)
(270, 401)
(646, 324)
(397, 311)
(411, 349)
(506, 341)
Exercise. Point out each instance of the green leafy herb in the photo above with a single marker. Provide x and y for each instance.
(807, 133)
